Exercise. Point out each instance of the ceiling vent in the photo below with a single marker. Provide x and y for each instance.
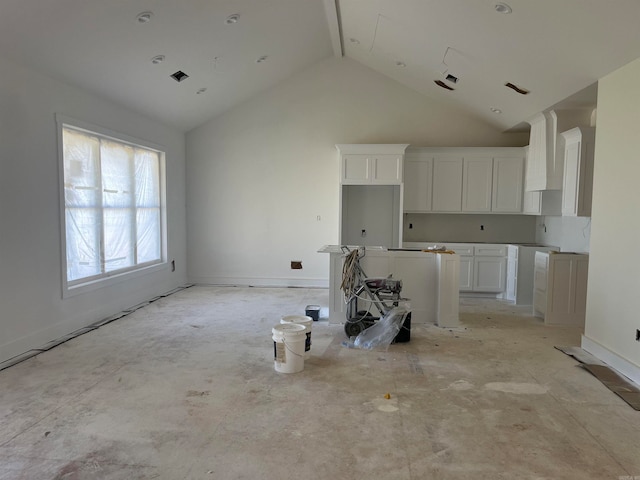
(515, 88)
(440, 83)
(452, 78)
(179, 76)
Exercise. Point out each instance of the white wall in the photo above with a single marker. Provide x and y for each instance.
(260, 175)
(32, 311)
(614, 281)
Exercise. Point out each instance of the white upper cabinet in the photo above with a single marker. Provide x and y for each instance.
(447, 184)
(356, 169)
(379, 164)
(578, 172)
(477, 178)
(507, 184)
(464, 180)
(418, 174)
(545, 167)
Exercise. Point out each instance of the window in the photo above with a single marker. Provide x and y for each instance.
(113, 216)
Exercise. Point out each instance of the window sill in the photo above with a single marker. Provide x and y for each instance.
(94, 285)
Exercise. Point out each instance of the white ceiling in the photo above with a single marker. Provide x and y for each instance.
(554, 48)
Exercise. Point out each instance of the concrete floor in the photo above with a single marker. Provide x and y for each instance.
(185, 388)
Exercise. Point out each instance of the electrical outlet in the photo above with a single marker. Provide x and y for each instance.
(296, 265)
(173, 265)
(363, 233)
(481, 227)
(410, 226)
(638, 335)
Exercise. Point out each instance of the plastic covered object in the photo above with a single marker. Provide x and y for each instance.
(382, 333)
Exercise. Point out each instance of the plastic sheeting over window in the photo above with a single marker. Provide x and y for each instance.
(112, 196)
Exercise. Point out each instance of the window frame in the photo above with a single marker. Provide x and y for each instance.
(106, 279)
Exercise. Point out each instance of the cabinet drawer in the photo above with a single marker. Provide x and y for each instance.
(490, 250)
(461, 248)
(541, 262)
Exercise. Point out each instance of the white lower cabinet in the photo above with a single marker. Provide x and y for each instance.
(511, 292)
(483, 267)
(560, 288)
(466, 273)
(520, 272)
(489, 274)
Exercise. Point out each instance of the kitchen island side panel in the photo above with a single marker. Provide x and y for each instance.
(419, 271)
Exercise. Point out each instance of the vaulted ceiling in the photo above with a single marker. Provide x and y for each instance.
(232, 50)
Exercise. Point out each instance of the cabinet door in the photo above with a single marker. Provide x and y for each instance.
(578, 172)
(537, 155)
(477, 178)
(466, 274)
(507, 185)
(489, 274)
(386, 169)
(356, 169)
(566, 289)
(447, 185)
(571, 178)
(512, 279)
(417, 185)
(541, 266)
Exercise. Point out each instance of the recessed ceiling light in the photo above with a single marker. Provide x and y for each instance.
(355, 41)
(157, 59)
(201, 90)
(502, 7)
(144, 17)
(495, 110)
(400, 64)
(262, 59)
(231, 19)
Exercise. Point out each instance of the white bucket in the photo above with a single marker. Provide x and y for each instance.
(288, 347)
(301, 320)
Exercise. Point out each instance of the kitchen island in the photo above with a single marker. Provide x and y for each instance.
(429, 280)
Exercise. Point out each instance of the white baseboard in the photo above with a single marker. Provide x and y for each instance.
(615, 361)
(262, 282)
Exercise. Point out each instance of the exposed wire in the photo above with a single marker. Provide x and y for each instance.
(349, 273)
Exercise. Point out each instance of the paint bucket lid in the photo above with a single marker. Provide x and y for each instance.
(300, 319)
(289, 329)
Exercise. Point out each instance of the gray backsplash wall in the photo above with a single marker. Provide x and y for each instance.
(468, 228)
(570, 234)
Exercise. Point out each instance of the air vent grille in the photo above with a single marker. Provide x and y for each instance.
(515, 88)
(440, 83)
(179, 76)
